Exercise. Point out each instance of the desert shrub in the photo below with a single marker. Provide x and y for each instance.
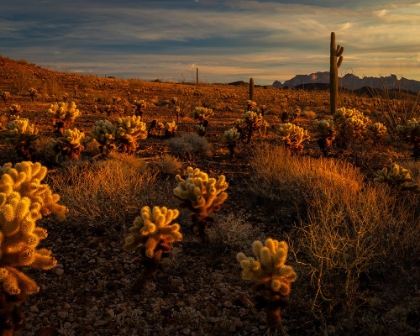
(189, 145)
(115, 189)
(166, 165)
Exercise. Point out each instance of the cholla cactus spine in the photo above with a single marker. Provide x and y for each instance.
(272, 277)
(201, 195)
(154, 234)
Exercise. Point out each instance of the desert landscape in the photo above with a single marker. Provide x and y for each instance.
(341, 189)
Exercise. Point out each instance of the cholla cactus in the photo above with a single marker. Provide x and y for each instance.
(293, 136)
(350, 124)
(376, 131)
(128, 131)
(22, 203)
(104, 133)
(33, 93)
(410, 132)
(170, 129)
(272, 278)
(249, 123)
(202, 114)
(140, 106)
(64, 114)
(25, 178)
(154, 234)
(325, 130)
(250, 105)
(15, 110)
(21, 133)
(231, 138)
(397, 176)
(200, 129)
(201, 195)
(69, 145)
(5, 95)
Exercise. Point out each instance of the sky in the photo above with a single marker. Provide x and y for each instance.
(227, 40)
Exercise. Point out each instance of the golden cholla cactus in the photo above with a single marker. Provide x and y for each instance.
(64, 112)
(249, 122)
(20, 129)
(231, 137)
(104, 133)
(201, 195)
(350, 124)
(201, 113)
(250, 105)
(272, 278)
(293, 136)
(326, 132)
(397, 176)
(69, 145)
(377, 130)
(140, 106)
(25, 178)
(153, 230)
(324, 128)
(410, 132)
(19, 237)
(15, 109)
(170, 128)
(128, 131)
(5, 95)
(154, 234)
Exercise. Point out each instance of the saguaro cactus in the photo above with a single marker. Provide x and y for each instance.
(251, 89)
(335, 52)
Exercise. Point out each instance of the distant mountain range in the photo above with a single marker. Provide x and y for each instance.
(352, 82)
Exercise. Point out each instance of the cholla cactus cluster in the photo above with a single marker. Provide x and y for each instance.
(153, 231)
(15, 109)
(202, 113)
(397, 176)
(231, 138)
(377, 130)
(249, 122)
(201, 195)
(33, 93)
(25, 178)
(64, 112)
(350, 125)
(272, 277)
(154, 234)
(293, 136)
(128, 131)
(200, 129)
(21, 133)
(140, 106)
(5, 95)
(325, 130)
(23, 200)
(410, 132)
(104, 133)
(170, 129)
(69, 145)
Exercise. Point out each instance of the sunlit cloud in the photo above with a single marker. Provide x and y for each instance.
(228, 40)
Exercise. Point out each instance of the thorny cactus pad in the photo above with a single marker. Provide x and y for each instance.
(25, 178)
(19, 238)
(64, 112)
(397, 176)
(153, 230)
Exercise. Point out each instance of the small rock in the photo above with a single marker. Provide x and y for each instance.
(59, 271)
(34, 309)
